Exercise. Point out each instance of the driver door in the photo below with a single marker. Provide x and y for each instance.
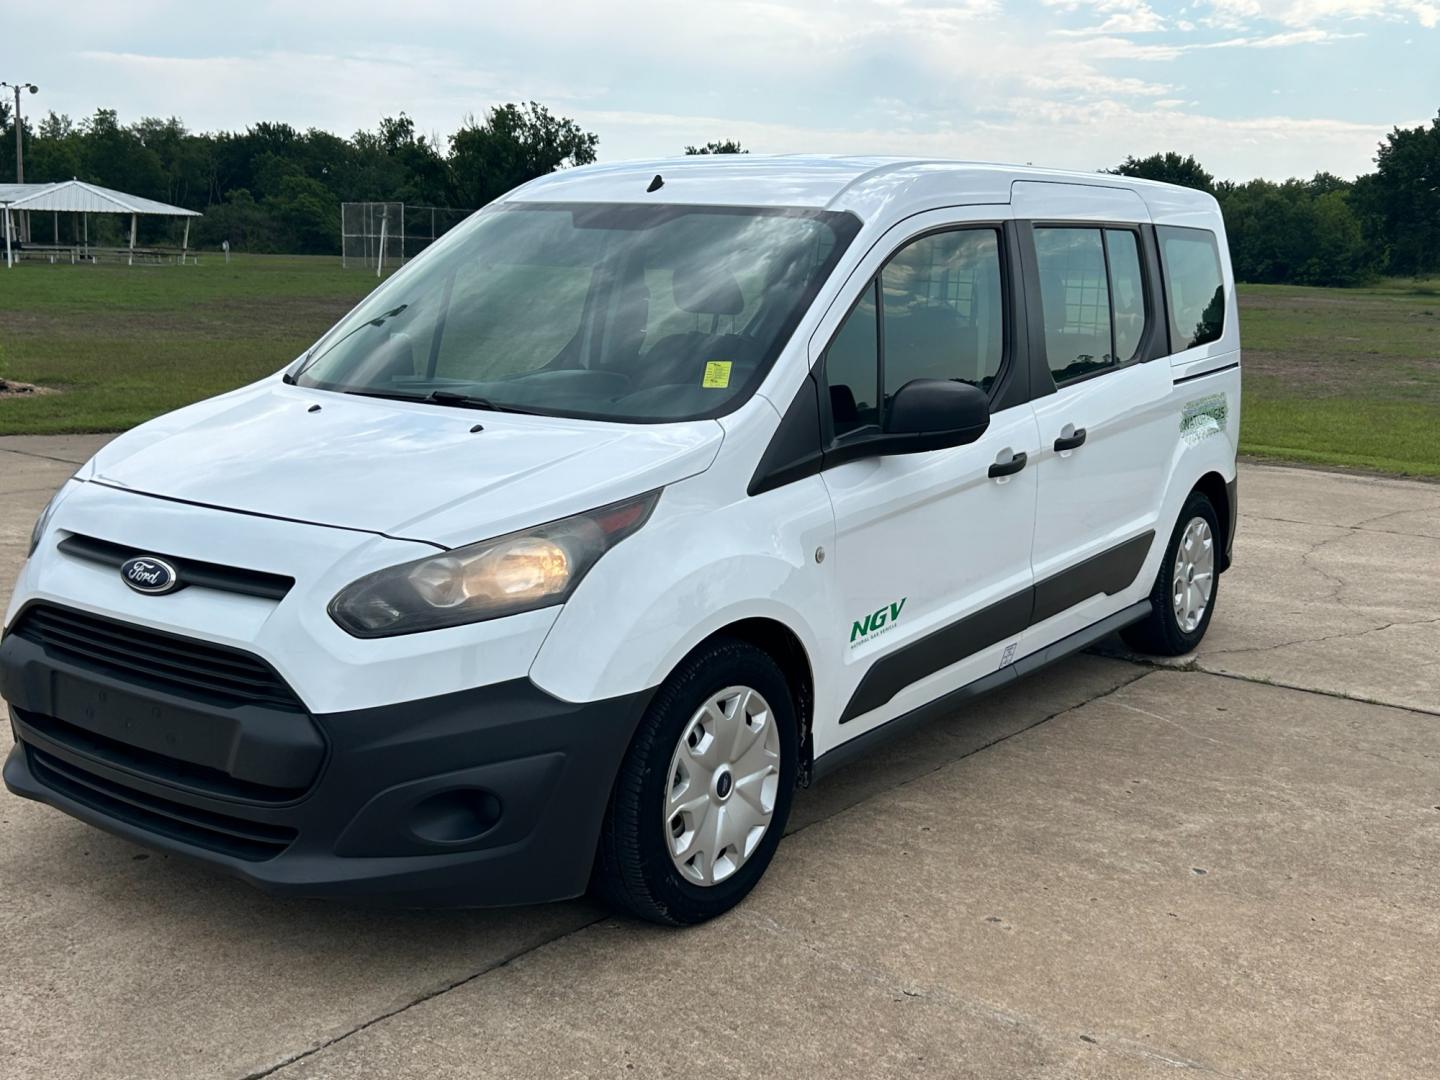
(932, 550)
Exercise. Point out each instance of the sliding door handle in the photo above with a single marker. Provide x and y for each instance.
(1008, 468)
(1070, 442)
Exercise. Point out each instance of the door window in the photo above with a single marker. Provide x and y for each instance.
(1127, 292)
(942, 311)
(1092, 297)
(936, 311)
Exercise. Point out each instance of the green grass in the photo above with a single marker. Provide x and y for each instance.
(1386, 436)
(128, 343)
(1347, 377)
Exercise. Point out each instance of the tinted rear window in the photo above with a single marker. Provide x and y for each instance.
(1194, 288)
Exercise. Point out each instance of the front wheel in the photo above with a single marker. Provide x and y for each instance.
(704, 792)
(1185, 588)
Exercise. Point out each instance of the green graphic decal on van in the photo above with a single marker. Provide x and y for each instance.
(877, 622)
(1203, 417)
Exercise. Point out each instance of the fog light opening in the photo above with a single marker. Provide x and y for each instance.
(455, 817)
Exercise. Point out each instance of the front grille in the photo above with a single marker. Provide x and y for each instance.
(197, 669)
(249, 840)
(206, 575)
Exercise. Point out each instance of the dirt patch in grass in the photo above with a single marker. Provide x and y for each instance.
(1379, 344)
(1317, 373)
(10, 389)
(277, 315)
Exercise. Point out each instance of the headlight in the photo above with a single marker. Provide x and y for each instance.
(505, 576)
(43, 522)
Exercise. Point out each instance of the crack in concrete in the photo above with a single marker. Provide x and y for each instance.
(1191, 666)
(1394, 513)
(43, 457)
(1354, 528)
(1339, 583)
(311, 1051)
(1166, 720)
(1352, 634)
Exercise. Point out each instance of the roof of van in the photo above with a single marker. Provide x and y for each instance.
(864, 185)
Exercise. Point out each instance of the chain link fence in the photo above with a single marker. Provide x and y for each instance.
(380, 235)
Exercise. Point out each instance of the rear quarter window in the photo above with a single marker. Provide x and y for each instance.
(1194, 287)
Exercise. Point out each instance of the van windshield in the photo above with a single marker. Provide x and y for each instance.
(607, 311)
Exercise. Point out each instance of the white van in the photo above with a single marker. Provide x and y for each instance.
(646, 495)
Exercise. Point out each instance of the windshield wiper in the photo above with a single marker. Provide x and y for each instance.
(443, 397)
(468, 401)
(312, 356)
(387, 395)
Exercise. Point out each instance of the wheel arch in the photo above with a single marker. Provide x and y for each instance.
(1219, 491)
(784, 646)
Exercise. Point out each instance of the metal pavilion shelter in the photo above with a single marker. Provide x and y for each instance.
(78, 197)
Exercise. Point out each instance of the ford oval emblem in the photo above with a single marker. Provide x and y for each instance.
(147, 574)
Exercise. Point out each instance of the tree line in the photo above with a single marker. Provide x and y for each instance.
(1326, 230)
(274, 188)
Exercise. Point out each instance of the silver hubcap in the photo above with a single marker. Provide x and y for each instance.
(1194, 576)
(724, 776)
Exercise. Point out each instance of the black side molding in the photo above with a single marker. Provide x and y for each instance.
(1232, 496)
(893, 672)
(1205, 374)
(861, 745)
(1109, 572)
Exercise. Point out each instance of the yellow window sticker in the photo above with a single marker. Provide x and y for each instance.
(717, 375)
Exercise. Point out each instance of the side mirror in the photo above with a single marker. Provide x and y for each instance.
(932, 414)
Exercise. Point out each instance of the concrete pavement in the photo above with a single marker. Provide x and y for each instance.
(1334, 589)
(1111, 870)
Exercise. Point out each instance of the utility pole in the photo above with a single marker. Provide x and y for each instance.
(20, 146)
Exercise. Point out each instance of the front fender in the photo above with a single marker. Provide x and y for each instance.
(691, 571)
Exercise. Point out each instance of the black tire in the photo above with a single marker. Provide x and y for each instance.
(634, 873)
(1161, 634)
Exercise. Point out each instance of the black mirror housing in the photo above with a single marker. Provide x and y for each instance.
(932, 414)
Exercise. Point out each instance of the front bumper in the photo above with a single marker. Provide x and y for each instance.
(490, 796)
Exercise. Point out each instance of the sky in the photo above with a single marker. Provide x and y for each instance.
(1270, 88)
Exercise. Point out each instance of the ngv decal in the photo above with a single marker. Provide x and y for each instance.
(877, 622)
(147, 574)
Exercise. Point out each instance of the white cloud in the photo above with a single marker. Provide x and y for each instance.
(1293, 37)
(1120, 48)
(1122, 16)
(1302, 13)
(1041, 131)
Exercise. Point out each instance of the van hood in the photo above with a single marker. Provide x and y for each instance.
(411, 471)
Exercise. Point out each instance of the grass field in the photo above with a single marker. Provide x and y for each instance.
(1346, 377)
(127, 343)
(1343, 376)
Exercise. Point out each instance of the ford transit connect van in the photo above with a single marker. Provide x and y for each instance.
(647, 495)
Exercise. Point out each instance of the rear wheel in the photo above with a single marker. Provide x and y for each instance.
(704, 791)
(1185, 588)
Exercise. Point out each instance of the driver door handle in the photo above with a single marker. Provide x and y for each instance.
(1008, 468)
(1070, 442)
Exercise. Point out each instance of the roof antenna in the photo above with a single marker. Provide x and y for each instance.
(656, 184)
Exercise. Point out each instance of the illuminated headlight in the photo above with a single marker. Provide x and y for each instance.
(520, 572)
